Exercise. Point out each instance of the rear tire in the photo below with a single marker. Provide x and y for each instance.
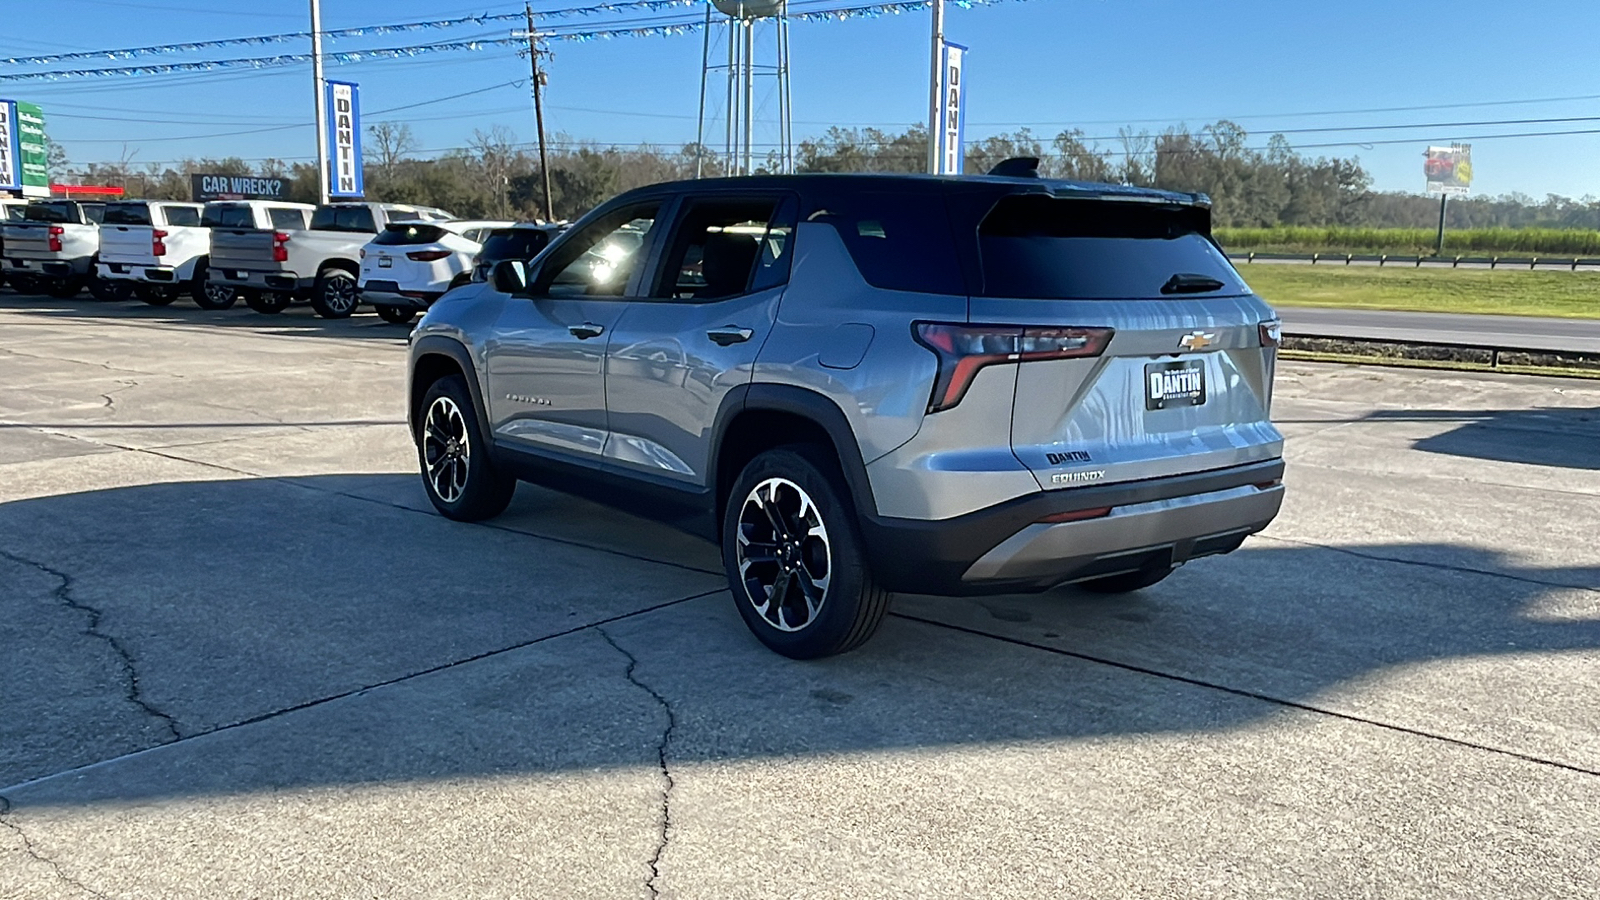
(794, 557)
(334, 295)
(396, 315)
(1125, 583)
(268, 302)
(24, 284)
(156, 294)
(461, 480)
(208, 294)
(63, 288)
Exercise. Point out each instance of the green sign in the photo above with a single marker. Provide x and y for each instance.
(35, 153)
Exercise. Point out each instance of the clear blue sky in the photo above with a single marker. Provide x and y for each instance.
(1050, 64)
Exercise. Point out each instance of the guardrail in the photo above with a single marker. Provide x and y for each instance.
(1492, 355)
(1552, 263)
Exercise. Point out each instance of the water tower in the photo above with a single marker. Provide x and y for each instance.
(750, 24)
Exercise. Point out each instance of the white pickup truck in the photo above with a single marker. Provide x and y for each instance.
(321, 263)
(234, 224)
(154, 250)
(53, 247)
(10, 211)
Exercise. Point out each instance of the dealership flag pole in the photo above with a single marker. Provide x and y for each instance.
(935, 101)
(322, 122)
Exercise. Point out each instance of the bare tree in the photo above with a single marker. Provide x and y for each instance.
(393, 142)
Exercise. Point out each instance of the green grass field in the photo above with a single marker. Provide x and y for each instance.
(1568, 242)
(1519, 293)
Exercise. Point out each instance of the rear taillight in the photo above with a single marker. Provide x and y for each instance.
(427, 255)
(56, 231)
(1271, 333)
(280, 248)
(1077, 515)
(158, 244)
(963, 350)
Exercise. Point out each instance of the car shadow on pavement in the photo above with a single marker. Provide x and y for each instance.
(331, 630)
(1557, 436)
(298, 320)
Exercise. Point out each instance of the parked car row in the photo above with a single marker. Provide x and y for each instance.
(270, 254)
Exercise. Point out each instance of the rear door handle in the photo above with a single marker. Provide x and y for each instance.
(587, 330)
(729, 334)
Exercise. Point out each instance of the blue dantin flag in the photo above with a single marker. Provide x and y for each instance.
(343, 101)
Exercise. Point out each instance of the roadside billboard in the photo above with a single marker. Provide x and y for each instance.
(344, 139)
(205, 188)
(10, 153)
(1448, 169)
(953, 112)
(24, 153)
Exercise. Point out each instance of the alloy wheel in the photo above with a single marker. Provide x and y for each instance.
(339, 294)
(785, 559)
(218, 294)
(446, 449)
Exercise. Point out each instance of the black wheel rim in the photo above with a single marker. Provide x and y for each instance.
(339, 294)
(219, 294)
(783, 553)
(446, 449)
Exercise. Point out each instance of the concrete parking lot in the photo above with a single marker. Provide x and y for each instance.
(244, 658)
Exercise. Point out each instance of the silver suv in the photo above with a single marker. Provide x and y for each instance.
(866, 384)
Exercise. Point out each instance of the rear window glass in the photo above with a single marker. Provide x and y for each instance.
(401, 235)
(345, 218)
(1046, 248)
(94, 212)
(11, 212)
(515, 243)
(286, 218)
(127, 214)
(403, 215)
(899, 240)
(181, 215)
(227, 216)
(59, 213)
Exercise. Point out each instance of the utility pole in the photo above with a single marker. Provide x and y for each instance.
(1438, 247)
(322, 115)
(935, 100)
(536, 72)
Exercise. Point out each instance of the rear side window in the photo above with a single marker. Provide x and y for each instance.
(287, 219)
(218, 215)
(127, 214)
(899, 240)
(401, 235)
(1048, 248)
(347, 218)
(58, 213)
(514, 243)
(181, 216)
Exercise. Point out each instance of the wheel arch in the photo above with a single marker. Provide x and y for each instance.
(347, 266)
(434, 357)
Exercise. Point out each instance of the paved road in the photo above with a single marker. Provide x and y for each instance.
(243, 658)
(1513, 332)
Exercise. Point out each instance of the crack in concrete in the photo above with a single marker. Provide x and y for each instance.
(661, 760)
(33, 852)
(111, 402)
(133, 693)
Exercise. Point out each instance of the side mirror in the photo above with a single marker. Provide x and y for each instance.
(510, 276)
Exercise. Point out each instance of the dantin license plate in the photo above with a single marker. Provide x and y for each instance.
(1169, 384)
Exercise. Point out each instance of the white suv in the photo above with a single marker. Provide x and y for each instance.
(411, 264)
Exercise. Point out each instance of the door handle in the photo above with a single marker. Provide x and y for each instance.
(729, 334)
(587, 330)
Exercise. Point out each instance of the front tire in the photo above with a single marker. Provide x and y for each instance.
(334, 295)
(268, 302)
(461, 480)
(396, 315)
(794, 556)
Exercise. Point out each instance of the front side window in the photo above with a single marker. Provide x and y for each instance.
(600, 260)
(726, 247)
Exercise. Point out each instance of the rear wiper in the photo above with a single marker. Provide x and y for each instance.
(1190, 283)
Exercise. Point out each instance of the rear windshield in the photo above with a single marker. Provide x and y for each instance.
(127, 214)
(287, 218)
(11, 212)
(59, 213)
(181, 215)
(344, 218)
(1046, 248)
(227, 216)
(514, 243)
(401, 235)
(900, 241)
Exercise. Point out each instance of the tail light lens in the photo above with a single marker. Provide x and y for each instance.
(280, 247)
(1271, 333)
(964, 350)
(56, 231)
(158, 244)
(427, 255)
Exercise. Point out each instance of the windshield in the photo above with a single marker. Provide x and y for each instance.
(1046, 248)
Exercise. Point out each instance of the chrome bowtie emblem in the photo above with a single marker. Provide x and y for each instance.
(1196, 340)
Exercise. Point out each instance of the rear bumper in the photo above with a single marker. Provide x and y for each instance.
(115, 271)
(49, 268)
(389, 293)
(1157, 523)
(259, 280)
